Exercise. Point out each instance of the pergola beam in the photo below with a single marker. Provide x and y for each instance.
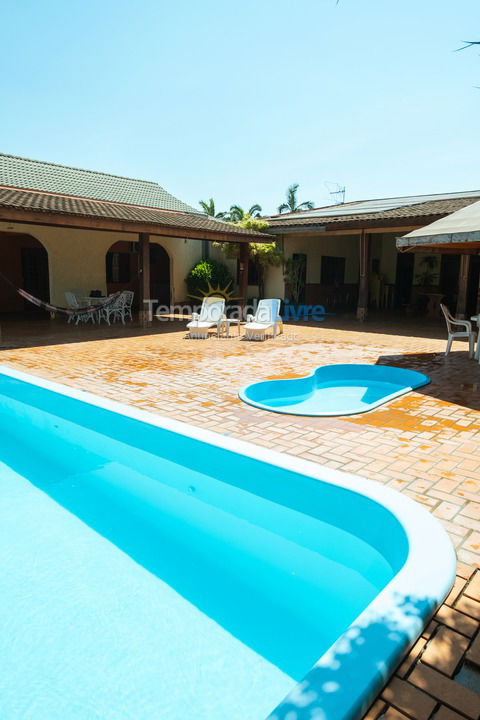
(28, 217)
(364, 261)
(243, 273)
(454, 249)
(463, 286)
(144, 256)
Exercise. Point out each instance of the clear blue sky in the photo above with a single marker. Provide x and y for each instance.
(238, 100)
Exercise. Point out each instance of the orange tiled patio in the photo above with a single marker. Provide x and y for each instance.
(425, 444)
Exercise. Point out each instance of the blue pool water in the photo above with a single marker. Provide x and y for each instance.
(146, 575)
(334, 390)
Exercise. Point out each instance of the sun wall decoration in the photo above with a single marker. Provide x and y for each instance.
(223, 292)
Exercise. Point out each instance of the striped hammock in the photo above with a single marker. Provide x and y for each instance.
(55, 308)
(67, 311)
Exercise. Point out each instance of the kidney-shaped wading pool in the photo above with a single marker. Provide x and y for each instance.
(150, 569)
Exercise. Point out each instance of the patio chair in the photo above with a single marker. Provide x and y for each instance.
(267, 318)
(453, 334)
(127, 305)
(79, 314)
(211, 315)
(79, 295)
(118, 309)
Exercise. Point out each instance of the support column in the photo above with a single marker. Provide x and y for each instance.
(144, 253)
(243, 272)
(477, 307)
(463, 286)
(362, 306)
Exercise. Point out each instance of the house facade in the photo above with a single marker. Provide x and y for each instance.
(66, 229)
(351, 261)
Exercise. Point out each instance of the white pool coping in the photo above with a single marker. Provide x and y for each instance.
(427, 574)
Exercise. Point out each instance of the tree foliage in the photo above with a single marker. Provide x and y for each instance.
(263, 254)
(292, 204)
(234, 215)
(209, 209)
(237, 213)
(206, 274)
(294, 276)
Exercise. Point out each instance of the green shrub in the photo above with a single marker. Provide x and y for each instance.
(207, 274)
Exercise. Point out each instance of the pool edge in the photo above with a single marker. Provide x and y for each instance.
(428, 573)
(242, 394)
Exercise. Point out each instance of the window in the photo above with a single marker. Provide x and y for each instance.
(118, 267)
(332, 270)
(252, 273)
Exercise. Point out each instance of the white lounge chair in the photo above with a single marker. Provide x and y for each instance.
(267, 318)
(211, 315)
(467, 332)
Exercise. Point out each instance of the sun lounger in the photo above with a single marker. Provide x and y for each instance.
(266, 320)
(211, 314)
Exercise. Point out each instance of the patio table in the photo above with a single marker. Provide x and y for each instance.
(96, 300)
(434, 300)
(93, 300)
(223, 327)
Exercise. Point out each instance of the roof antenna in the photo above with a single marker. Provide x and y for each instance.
(338, 192)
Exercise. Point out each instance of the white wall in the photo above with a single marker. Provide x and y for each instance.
(388, 257)
(314, 247)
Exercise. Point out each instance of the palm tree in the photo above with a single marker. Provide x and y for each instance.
(237, 213)
(291, 204)
(209, 209)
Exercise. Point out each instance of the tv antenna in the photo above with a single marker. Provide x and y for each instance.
(337, 191)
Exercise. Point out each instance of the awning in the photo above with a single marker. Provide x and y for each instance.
(458, 232)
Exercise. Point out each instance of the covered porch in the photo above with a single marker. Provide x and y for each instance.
(49, 247)
(447, 237)
(351, 263)
(364, 274)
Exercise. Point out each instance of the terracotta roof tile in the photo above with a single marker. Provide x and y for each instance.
(66, 205)
(429, 209)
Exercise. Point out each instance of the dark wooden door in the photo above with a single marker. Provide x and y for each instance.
(35, 274)
(403, 280)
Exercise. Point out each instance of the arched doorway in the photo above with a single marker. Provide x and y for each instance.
(24, 261)
(159, 274)
(122, 271)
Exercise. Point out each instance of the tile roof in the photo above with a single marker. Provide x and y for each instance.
(388, 210)
(29, 200)
(48, 177)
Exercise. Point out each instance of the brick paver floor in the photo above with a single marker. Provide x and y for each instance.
(425, 444)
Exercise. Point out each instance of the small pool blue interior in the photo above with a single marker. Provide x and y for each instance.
(334, 390)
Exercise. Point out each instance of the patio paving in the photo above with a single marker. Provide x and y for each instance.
(425, 444)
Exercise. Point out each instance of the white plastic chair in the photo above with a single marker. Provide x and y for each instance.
(455, 334)
(78, 315)
(267, 317)
(211, 315)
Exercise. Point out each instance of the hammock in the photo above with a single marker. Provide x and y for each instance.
(67, 311)
(55, 308)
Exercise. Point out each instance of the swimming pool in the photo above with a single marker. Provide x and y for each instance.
(151, 569)
(334, 390)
